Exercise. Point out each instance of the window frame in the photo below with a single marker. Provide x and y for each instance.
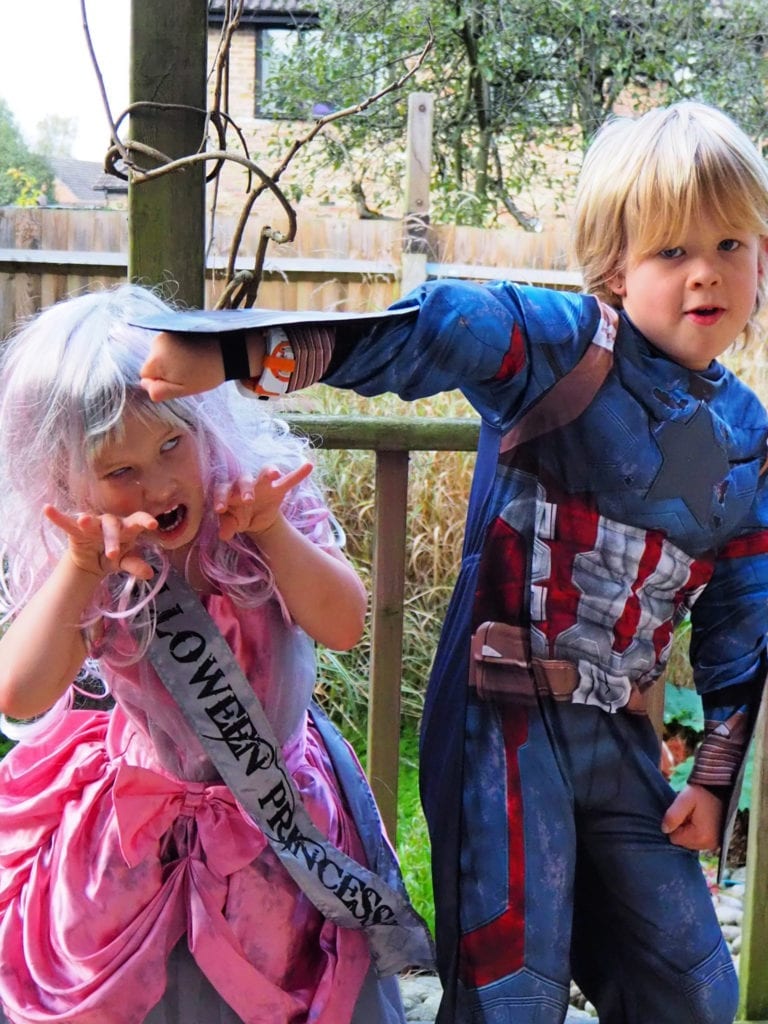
(259, 22)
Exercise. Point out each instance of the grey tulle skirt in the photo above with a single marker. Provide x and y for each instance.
(191, 999)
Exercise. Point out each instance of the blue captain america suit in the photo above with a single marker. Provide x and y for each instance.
(595, 539)
(593, 528)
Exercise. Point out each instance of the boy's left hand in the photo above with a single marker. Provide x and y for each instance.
(251, 506)
(694, 819)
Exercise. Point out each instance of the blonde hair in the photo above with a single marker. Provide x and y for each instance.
(648, 178)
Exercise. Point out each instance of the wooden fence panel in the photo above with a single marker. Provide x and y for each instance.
(333, 262)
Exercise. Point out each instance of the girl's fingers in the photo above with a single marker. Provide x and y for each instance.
(112, 532)
(108, 538)
(227, 526)
(136, 566)
(221, 496)
(268, 474)
(244, 485)
(138, 522)
(120, 533)
(245, 488)
(284, 481)
(66, 523)
(295, 476)
(235, 492)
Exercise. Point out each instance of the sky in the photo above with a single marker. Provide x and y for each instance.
(45, 67)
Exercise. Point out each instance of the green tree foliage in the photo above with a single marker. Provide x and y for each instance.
(23, 174)
(514, 80)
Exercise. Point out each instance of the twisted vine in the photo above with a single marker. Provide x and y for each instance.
(137, 162)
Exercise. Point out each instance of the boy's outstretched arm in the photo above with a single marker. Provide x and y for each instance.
(499, 344)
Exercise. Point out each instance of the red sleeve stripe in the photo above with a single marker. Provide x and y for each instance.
(514, 359)
(742, 547)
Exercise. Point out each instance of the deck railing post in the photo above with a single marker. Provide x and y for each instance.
(753, 973)
(166, 225)
(387, 616)
(418, 170)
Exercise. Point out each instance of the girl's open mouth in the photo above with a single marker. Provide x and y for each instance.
(171, 520)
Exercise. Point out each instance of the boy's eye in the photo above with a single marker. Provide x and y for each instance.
(729, 244)
(672, 253)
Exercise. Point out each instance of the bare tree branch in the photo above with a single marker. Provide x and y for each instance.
(241, 288)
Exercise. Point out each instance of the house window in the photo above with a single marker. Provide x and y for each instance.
(272, 46)
(277, 26)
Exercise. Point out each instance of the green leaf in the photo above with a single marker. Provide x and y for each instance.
(680, 774)
(683, 707)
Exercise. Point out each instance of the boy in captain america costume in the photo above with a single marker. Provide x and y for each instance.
(618, 488)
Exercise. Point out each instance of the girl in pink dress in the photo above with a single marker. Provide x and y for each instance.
(133, 886)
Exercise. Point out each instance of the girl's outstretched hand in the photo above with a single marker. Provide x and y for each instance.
(249, 505)
(103, 544)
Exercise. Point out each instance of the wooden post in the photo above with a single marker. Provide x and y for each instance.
(656, 707)
(417, 175)
(166, 241)
(388, 574)
(753, 973)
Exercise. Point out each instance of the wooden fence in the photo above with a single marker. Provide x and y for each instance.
(46, 254)
(354, 265)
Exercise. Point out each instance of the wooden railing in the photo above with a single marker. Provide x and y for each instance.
(392, 440)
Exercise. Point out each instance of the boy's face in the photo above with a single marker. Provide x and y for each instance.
(693, 299)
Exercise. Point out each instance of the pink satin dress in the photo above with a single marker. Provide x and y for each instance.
(117, 844)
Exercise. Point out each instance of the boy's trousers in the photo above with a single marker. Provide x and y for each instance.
(584, 884)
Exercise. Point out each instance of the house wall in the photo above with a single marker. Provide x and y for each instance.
(267, 140)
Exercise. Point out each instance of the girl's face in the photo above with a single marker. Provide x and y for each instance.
(153, 467)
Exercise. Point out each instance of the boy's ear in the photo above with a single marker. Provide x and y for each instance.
(617, 284)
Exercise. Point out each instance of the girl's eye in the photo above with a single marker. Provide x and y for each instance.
(170, 444)
(729, 244)
(671, 253)
(115, 474)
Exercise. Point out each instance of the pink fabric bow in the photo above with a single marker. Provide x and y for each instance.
(148, 805)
